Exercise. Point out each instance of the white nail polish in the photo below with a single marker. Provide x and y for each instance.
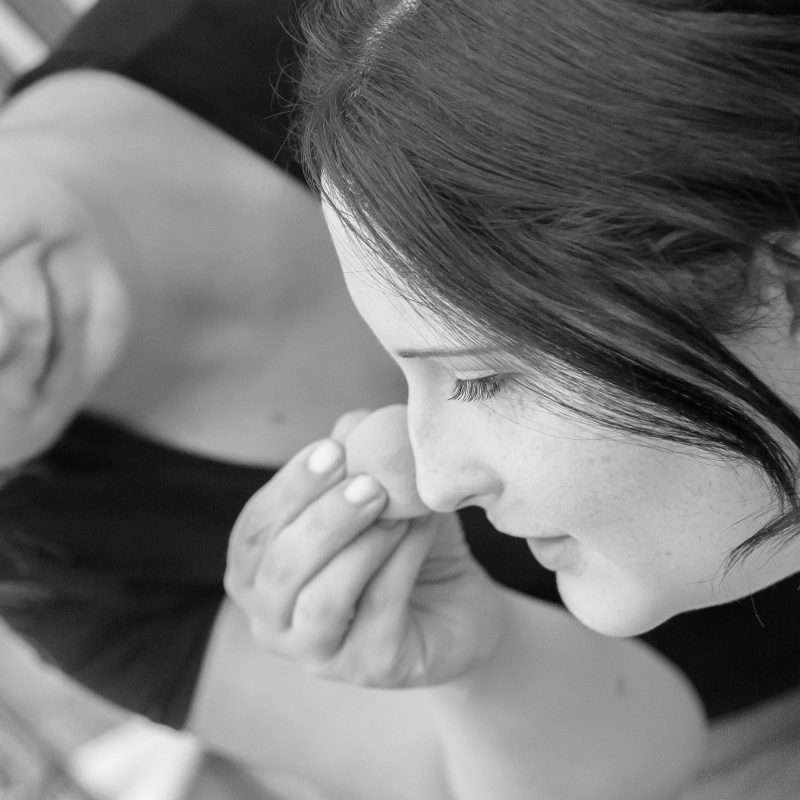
(362, 489)
(325, 458)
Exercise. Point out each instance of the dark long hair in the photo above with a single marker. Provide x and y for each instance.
(585, 182)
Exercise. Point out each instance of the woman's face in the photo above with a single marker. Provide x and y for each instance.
(63, 311)
(635, 532)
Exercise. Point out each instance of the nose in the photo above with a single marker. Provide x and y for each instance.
(450, 469)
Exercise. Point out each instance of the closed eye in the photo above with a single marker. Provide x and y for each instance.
(473, 390)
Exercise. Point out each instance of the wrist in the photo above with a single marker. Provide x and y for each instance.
(497, 657)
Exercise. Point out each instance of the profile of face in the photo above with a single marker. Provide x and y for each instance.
(63, 311)
(636, 532)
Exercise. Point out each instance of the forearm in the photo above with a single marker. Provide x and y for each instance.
(562, 713)
(347, 741)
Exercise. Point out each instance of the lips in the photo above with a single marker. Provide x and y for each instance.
(554, 553)
(530, 531)
(553, 550)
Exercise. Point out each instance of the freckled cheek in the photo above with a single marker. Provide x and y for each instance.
(619, 512)
(579, 491)
(663, 518)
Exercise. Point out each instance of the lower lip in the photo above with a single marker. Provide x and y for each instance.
(554, 553)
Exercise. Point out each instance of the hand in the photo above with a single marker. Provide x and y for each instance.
(378, 603)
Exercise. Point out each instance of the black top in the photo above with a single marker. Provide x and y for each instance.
(113, 547)
(111, 561)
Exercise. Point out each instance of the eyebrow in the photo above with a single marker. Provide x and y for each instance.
(446, 353)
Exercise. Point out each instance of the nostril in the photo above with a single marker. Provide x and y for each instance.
(436, 495)
(446, 487)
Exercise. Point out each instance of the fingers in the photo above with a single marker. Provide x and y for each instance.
(323, 580)
(327, 606)
(302, 551)
(294, 555)
(384, 610)
(322, 530)
(310, 473)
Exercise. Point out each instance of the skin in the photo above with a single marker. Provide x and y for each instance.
(391, 464)
(172, 288)
(635, 533)
(508, 689)
(64, 313)
(323, 544)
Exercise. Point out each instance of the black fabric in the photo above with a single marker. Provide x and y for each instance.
(740, 653)
(113, 548)
(113, 552)
(111, 561)
(228, 61)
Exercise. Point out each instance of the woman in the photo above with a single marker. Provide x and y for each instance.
(573, 226)
(98, 153)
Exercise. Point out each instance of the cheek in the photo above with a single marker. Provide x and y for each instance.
(653, 528)
(675, 529)
(634, 500)
(581, 481)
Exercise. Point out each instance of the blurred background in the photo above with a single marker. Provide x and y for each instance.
(57, 741)
(29, 27)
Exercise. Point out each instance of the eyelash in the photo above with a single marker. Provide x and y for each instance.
(475, 390)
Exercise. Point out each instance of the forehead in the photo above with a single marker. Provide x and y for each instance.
(399, 321)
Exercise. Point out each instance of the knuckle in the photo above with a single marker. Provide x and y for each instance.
(253, 526)
(241, 565)
(328, 515)
(274, 570)
(320, 610)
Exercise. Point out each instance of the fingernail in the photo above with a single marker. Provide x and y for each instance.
(325, 458)
(362, 489)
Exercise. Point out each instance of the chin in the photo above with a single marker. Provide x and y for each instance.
(613, 608)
